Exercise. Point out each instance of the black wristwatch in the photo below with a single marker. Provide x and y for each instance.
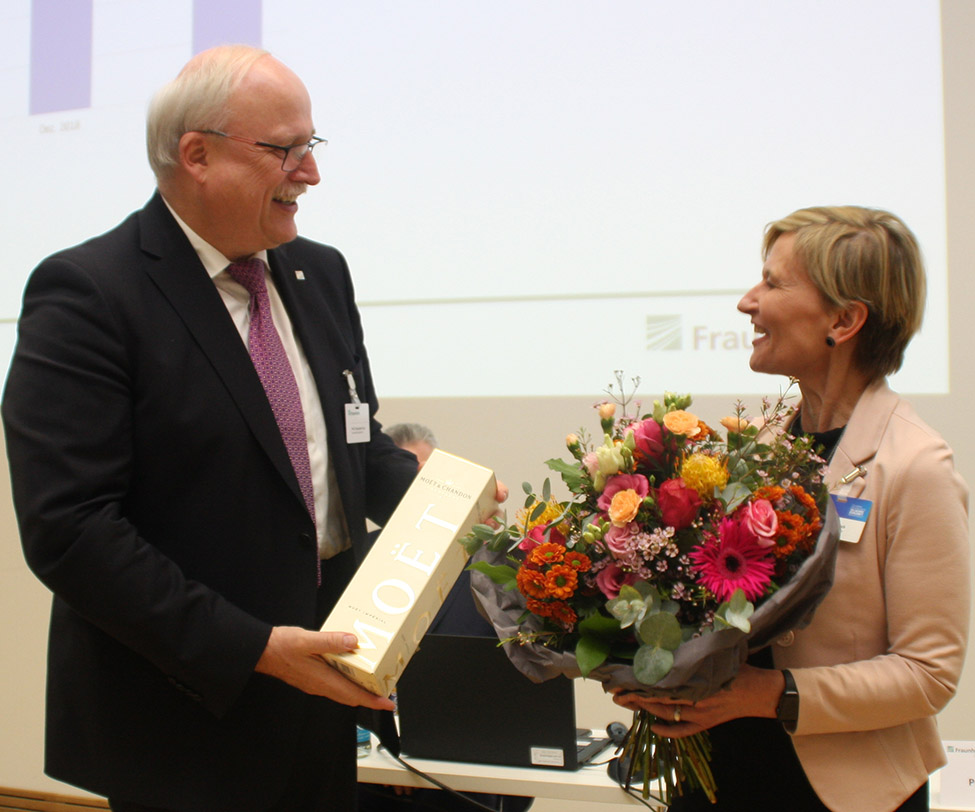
(787, 711)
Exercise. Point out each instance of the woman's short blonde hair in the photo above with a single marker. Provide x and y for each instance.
(197, 99)
(854, 254)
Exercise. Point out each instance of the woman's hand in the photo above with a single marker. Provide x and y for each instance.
(754, 692)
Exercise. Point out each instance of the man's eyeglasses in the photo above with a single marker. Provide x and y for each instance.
(293, 155)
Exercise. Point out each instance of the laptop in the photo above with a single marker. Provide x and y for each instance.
(461, 699)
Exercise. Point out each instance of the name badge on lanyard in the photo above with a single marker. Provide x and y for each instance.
(356, 414)
(853, 512)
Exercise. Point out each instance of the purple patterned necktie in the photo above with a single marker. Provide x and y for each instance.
(274, 370)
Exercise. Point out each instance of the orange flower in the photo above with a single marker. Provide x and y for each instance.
(563, 613)
(735, 424)
(681, 422)
(704, 431)
(537, 607)
(531, 582)
(580, 562)
(624, 507)
(791, 529)
(561, 581)
(547, 553)
(773, 493)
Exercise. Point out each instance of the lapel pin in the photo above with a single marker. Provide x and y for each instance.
(300, 275)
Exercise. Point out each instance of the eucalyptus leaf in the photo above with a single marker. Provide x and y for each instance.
(626, 612)
(735, 614)
(471, 544)
(651, 664)
(630, 593)
(538, 511)
(734, 495)
(546, 489)
(661, 629)
(648, 591)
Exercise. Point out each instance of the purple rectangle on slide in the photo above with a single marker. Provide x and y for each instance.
(60, 55)
(219, 22)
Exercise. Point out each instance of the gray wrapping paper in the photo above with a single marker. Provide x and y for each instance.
(702, 665)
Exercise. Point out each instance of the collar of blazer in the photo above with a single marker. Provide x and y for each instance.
(862, 436)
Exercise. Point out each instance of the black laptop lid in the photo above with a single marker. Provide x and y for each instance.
(460, 699)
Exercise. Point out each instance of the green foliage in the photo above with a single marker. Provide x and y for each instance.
(501, 574)
(572, 474)
(591, 652)
(735, 614)
(651, 664)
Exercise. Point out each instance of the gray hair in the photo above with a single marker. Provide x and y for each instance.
(404, 433)
(197, 99)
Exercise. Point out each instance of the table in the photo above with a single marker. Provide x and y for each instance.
(589, 784)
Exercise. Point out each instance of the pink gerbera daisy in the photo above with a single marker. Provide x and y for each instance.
(733, 561)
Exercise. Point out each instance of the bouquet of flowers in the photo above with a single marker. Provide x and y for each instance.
(677, 552)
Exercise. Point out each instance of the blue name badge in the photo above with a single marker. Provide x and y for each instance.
(853, 515)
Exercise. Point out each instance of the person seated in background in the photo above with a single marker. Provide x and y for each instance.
(413, 437)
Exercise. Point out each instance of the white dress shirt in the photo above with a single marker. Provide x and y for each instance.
(331, 530)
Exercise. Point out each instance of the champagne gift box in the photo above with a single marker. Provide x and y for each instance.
(403, 581)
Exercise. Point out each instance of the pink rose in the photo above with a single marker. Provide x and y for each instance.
(536, 536)
(611, 578)
(678, 504)
(759, 520)
(623, 482)
(649, 439)
(617, 538)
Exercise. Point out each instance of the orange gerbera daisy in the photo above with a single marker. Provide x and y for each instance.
(561, 581)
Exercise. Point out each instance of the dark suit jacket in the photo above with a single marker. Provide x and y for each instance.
(156, 500)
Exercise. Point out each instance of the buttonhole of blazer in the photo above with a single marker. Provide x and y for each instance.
(184, 689)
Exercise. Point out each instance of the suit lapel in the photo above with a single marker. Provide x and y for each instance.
(311, 305)
(182, 279)
(861, 439)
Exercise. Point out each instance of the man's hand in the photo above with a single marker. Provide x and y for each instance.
(294, 656)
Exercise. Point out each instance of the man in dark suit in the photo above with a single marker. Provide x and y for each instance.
(190, 549)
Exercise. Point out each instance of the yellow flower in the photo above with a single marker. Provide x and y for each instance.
(681, 422)
(607, 410)
(552, 511)
(704, 473)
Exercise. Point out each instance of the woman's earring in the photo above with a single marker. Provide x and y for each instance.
(830, 341)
